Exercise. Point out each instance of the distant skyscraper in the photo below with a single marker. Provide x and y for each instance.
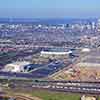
(93, 25)
(98, 25)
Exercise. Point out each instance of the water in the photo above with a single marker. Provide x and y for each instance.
(53, 21)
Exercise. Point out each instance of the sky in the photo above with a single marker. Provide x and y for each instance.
(49, 8)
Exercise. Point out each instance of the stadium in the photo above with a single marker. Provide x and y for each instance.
(44, 63)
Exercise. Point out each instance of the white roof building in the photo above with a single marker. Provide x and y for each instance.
(54, 53)
(85, 50)
(15, 67)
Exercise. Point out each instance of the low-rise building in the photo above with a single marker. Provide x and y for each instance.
(15, 67)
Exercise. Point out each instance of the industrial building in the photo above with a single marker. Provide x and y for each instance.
(87, 64)
(55, 53)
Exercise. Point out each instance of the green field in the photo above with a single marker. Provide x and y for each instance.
(47, 95)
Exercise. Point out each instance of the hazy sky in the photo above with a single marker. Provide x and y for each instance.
(49, 8)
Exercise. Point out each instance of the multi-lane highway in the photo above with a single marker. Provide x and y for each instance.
(61, 86)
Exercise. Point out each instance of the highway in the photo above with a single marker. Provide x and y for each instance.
(74, 87)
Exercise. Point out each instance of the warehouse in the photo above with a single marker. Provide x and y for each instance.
(45, 53)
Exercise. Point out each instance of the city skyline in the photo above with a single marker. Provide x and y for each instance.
(49, 8)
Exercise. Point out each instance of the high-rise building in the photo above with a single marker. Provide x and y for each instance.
(98, 25)
(93, 25)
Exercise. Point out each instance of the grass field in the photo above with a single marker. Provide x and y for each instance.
(47, 95)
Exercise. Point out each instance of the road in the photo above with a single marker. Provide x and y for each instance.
(60, 86)
(18, 97)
